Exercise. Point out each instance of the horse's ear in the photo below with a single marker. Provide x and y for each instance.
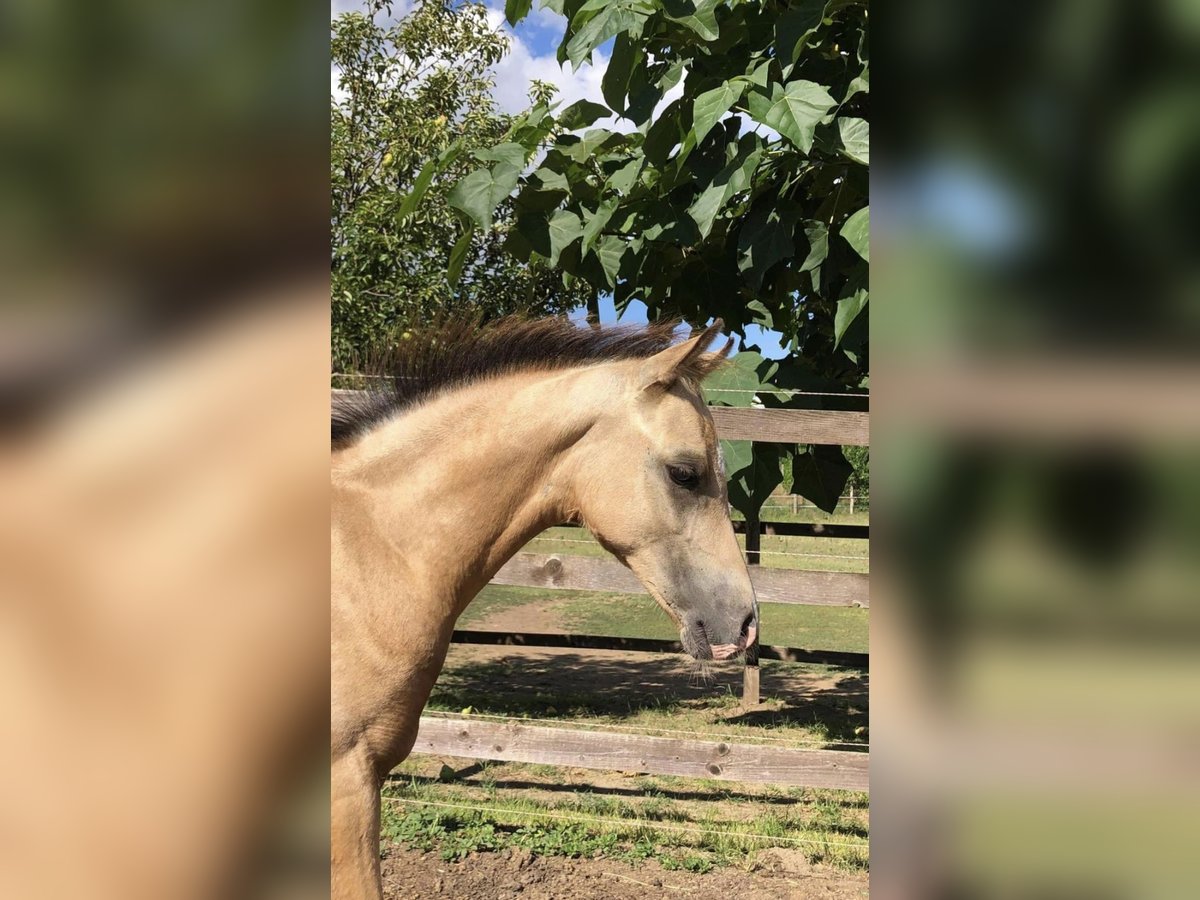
(663, 369)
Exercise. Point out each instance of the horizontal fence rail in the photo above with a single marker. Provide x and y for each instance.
(792, 426)
(513, 742)
(778, 426)
(591, 573)
(649, 645)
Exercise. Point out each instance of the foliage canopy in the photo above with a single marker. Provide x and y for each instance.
(412, 115)
(745, 196)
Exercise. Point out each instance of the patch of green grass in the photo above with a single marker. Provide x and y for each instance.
(788, 625)
(678, 837)
(637, 615)
(495, 598)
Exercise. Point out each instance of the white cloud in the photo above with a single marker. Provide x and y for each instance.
(518, 69)
(514, 74)
(521, 66)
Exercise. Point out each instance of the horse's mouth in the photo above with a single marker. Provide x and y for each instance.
(697, 644)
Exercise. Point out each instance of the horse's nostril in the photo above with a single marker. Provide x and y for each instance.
(747, 624)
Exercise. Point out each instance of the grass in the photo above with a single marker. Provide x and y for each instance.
(637, 615)
(713, 827)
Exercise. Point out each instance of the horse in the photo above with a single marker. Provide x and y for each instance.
(480, 439)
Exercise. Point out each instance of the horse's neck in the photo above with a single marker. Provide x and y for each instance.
(455, 487)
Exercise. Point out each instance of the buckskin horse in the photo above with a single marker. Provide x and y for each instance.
(480, 439)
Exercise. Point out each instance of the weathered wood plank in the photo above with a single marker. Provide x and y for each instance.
(793, 426)
(514, 742)
(648, 645)
(591, 573)
(785, 426)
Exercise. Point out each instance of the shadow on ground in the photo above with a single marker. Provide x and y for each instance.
(468, 775)
(570, 684)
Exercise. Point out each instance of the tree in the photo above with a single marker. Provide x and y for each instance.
(745, 197)
(412, 115)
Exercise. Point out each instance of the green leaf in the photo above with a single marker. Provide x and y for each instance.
(711, 105)
(819, 474)
(734, 384)
(818, 245)
(625, 60)
(513, 154)
(582, 114)
(699, 17)
(623, 179)
(420, 185)
(762, 316)
(482, 191)
(794, 111)
(848, 309)
(660, 221)
(534, 230)
(767, 236)
(798, 22)
(450, 155)
(549, 180)
(594, 141)
(597, 220)
(736, 455)
(752, 483)
(610, 250)
(857, 232)
(663, 134)
(612, 20)
(458, 256)
(856, 139)
(516, 10)
(735, 177)
(861, 84)
(759, 75)
(565, 228)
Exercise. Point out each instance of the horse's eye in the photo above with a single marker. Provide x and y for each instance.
(684, 476)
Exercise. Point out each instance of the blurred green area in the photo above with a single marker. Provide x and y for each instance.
(158, 163)
(1035, 437)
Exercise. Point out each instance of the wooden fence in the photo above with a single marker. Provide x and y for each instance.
(653, 755)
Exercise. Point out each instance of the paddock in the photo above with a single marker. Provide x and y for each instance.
(476, 740)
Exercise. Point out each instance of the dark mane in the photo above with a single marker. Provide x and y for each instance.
(464, 352)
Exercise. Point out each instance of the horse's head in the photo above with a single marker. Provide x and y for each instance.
(651, 487)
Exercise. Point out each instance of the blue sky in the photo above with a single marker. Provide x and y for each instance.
(766, 342)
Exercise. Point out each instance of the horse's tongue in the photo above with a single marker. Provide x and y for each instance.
(724, 651)
(750, 636)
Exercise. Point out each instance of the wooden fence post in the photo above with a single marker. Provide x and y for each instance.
(750, 689)
(753, 540)
(852, 499)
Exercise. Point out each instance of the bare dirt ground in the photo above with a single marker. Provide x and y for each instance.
(516, 873)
